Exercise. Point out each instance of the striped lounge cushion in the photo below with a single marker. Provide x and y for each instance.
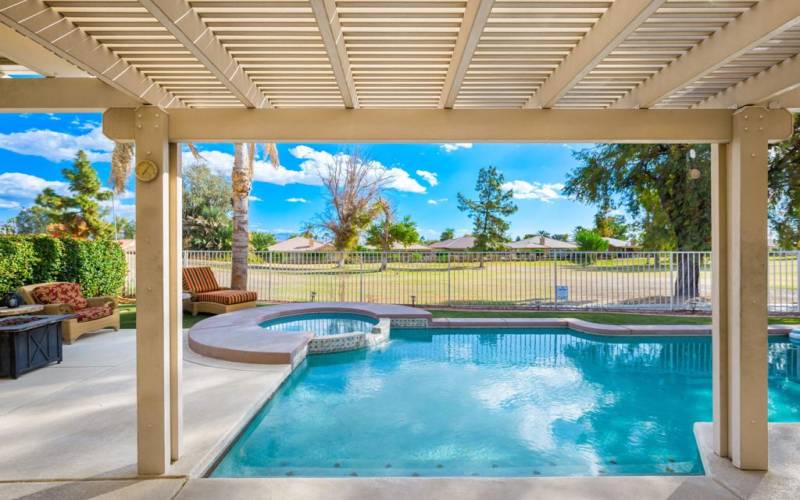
(199, 279)
(227, 297)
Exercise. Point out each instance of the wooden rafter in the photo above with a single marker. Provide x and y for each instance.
(759, 89)
(331, 31)
(178, 17)
(475, 17)
(51, 30)
(621, 19)
(761, 22)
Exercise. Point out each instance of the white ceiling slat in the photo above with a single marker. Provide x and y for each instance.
(621, 19)
(761, 22)
(760, 89)
(472, 25)
(331, 31)
(186, 26)
(51, 30)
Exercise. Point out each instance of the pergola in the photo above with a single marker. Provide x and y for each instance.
(163, 72)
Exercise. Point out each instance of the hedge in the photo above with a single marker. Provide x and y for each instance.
(99, 266)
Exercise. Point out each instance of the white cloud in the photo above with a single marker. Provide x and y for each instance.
(26, 187)
(524, 190)
(59, 146)
(454, 146)
(9, 204)
(296, 200)
(253, 198)
(430, 177)
(313, 162)
(437, 201)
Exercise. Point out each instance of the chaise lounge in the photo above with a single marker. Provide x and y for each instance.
(92, 314)
(208, 297)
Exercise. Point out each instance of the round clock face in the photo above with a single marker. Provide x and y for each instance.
(146, 170)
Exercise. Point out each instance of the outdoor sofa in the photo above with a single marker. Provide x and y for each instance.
(91, 314)
(206, 296)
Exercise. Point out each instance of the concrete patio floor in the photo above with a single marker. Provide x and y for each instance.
(68, 432)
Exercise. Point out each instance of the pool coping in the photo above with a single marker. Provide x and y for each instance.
(237, 336)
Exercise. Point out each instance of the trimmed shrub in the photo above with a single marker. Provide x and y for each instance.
(49, 260)
(16, 263)
(99, 266)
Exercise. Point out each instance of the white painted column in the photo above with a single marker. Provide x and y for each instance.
(152, 294)
(740, 292)
(719, 295)
(175, 302)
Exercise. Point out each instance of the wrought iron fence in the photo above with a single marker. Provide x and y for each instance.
(640, 281)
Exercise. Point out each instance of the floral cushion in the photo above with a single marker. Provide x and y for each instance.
(91, 313)
(227, 297)
(61, 293)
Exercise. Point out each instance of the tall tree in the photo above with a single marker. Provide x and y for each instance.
(387, 231)
(784, 190)
(244, 156)
(206, 209)
(31, 220)
(489, 211)
(669, 180)
(79, 213)
(353, 187)
(610, 226)
(447, 234)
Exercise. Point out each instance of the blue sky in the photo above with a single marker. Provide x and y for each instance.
(425, 178)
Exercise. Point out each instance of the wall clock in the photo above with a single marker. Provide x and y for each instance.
(146, 171)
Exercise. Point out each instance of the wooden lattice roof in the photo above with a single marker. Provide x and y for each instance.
(587, 54)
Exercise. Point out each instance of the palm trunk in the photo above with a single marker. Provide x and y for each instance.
(241, 184)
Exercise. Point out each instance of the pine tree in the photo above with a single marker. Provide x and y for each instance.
(489, 211)
(78, 214)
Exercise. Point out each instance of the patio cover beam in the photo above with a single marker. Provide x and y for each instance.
(770, 85)
(621, 19)
(436, 125)
(60, 95)
(24, 51)
(51, 30)
(332, 37)
(476, 15)
(183, 22)
(763, 21)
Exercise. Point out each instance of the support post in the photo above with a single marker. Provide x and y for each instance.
(152, 294)
(719, 295)
(176, 300)
(740, 291)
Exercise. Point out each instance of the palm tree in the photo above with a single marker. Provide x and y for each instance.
(242, 184)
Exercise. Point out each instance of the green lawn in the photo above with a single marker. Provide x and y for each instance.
(128, 317)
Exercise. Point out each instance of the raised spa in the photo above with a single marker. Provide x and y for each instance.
(322, 324)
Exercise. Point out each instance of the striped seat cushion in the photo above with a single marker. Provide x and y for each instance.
(199, 279)
(227, 297)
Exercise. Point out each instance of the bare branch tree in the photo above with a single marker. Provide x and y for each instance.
(353, 187)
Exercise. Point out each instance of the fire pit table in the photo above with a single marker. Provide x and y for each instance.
(29, 342)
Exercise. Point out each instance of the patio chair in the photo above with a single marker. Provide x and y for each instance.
(92, 314)
(208, 297)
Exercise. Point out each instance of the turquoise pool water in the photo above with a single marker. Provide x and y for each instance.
(497, 403)
(322, 324)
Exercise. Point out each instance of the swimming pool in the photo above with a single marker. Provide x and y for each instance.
(322, 324)
(497, 403)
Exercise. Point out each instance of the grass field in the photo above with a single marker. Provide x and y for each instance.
(128, 317)
(638, 281)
